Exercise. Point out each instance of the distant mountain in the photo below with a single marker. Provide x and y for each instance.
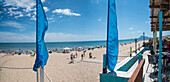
(141, 38)
(138, 39)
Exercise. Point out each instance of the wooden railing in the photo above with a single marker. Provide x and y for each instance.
(137, 76)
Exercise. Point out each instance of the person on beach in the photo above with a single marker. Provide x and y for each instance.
(81, 57)
(71, 57)
(165, 45)
(90, 55)
(84, 53)
(130, 51)
(76, 54)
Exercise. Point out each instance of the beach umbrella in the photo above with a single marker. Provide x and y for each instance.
(66, 48)
(32, 52)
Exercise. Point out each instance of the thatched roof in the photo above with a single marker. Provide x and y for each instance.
(156, 6)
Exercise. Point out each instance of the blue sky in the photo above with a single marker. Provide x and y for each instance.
(72, 20)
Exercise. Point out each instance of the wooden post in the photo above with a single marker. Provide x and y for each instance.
(135, 45)
(143, 39)
(130, 51)
(153, 41)
(37, 75)
(137, 75)
(139, 47)
(140, 58)
(104, 63)
(41, 74)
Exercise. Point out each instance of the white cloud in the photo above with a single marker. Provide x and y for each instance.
(138, 31)
(29, 15)
(13, 24)
(45, 9)
(147, 22)
(15, 37)
(56, 37)
(33, 17)
(131, 28)
(99, 19)
(27, 5)
(15, 12)
(42, 1)
(61, 16)
(66, 12)
(49, 37)
(50, 20)
(21, 15)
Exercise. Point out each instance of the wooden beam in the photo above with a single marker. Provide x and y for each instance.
(156, 16)
(159, 6)
(163, 2)
(137, 75)
(165, 28)
(157, 21)
(162, 22)
(166, 11)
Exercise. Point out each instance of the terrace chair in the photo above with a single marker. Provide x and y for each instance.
(151, 61)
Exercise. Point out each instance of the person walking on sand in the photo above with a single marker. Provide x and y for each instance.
(90, 55)
(71, 57)
(81, 57)
(76, 54)
(84, 53)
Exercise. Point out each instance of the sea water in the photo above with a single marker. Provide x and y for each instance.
(56, 45)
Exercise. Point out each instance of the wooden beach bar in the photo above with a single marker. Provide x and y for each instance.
(150, 63)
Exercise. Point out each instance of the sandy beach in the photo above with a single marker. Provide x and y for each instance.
(18, 68)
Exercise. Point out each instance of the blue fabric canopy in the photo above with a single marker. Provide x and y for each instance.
(112, 36)
(41, 28)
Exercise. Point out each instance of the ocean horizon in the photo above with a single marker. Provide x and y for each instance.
(56, 45)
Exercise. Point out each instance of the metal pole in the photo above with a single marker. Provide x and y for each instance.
(37, 75)
(160, 46)
(130, 51)
(135, 45)
(41, 74)
(153, 41)
(140, 58)
(139, 47)
(104, 63)
(143, 38)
